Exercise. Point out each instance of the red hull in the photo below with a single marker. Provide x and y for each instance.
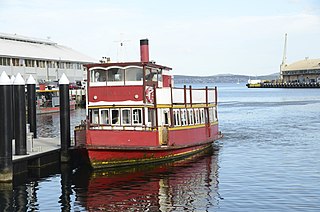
(123, 149)
(46, 110)
(103, 158)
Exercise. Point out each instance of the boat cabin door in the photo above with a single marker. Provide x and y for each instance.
(163, 135)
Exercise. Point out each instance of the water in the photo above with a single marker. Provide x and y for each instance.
(268, 161)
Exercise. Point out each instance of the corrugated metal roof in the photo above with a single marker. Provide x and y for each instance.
(25, 47)
(306, 64)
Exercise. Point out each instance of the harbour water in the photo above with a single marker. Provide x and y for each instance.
(268, 160)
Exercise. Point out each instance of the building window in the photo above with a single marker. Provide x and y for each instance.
(29, 63)
(61, 65)
(69, 65)
(4, 61)
(15, 61)
(51, 64)
(41, 63)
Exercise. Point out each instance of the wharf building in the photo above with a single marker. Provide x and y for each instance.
(44, 59)
(303, 71)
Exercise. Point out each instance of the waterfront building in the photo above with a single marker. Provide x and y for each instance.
(303, 71)
(44, 59)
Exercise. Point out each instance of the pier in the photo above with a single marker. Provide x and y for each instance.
(20, 147)
(41, 153)
(284, 85)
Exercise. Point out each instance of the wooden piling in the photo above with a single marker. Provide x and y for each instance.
(64, 117)
(6, 173)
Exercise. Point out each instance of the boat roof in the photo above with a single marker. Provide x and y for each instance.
(124, 64)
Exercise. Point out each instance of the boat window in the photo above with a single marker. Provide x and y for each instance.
(211, 115)
(115, 75)
(166, 117)
(191, 117)
(98, 75)
(202, 116)
(152, 117)
(176, 117)
(197, 116)
(126, 117)
(136, 116)
(104, 117)
(153, 75)
(115, 116)
(134, 74)
(215, 117)
(184, 117)
(95, 117)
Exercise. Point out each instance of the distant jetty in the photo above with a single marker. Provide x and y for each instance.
(267, 84)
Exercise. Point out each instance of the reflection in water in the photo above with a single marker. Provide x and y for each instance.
(185, 185)
(190, 184)
(6, 197)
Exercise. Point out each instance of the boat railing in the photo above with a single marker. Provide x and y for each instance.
(186, 96)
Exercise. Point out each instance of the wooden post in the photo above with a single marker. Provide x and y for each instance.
(31, 101)
(185, 95)
(64, 99)
(20, 116)
(6, 171)
(190, 90)
(207, 96)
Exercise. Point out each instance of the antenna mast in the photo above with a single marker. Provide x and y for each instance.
(121, 51)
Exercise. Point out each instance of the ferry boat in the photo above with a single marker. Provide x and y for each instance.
(135, 115)
(47, 101)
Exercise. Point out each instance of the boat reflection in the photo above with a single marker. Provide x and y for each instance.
(190, 184)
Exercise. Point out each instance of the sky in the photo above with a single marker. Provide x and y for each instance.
(196, 38)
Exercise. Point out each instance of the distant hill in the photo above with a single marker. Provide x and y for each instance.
(221, 78)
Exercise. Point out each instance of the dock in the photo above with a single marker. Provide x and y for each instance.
(41, 153)
(21, 149)
(284, 85)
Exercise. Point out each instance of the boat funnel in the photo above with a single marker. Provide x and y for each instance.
(144, 50)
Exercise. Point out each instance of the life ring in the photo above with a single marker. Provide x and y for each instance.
(149, 94)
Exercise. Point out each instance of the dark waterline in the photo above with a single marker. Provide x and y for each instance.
(268, 161)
